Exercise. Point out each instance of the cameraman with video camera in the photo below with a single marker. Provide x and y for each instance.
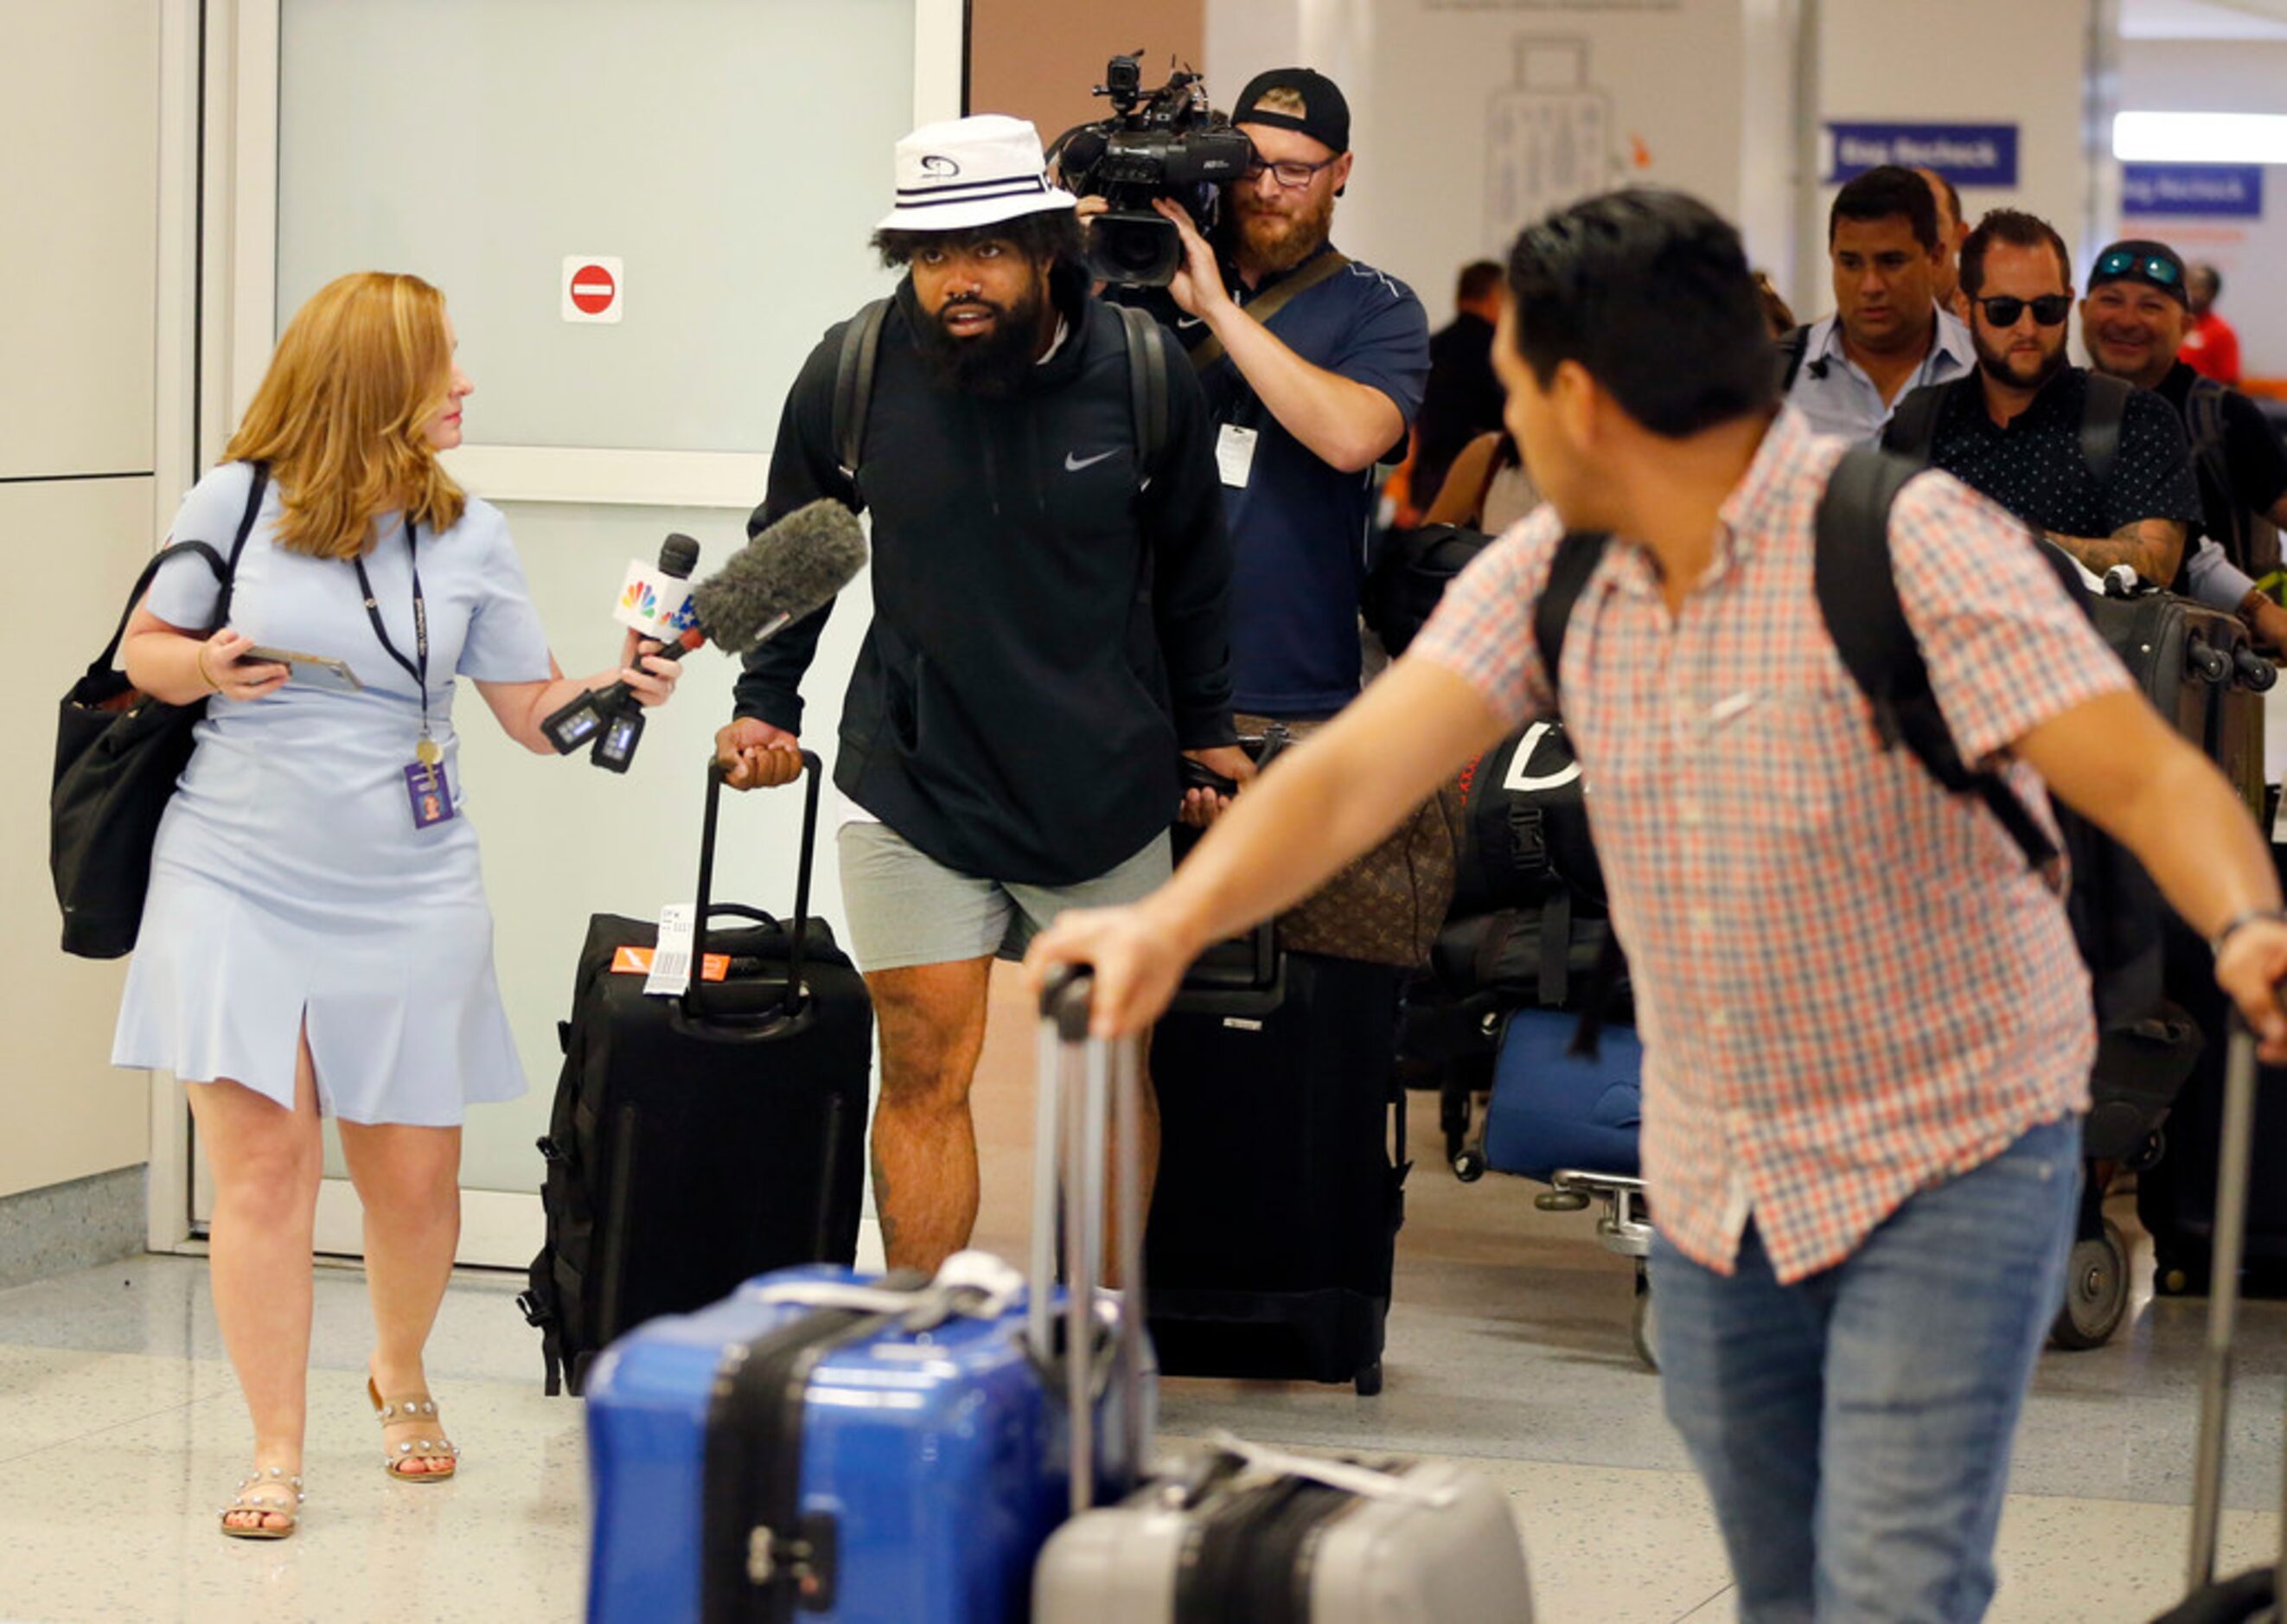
(1313, 364)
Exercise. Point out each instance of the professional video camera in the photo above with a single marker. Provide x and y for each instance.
(1166, 143)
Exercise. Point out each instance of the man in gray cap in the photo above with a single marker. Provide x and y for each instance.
(1047, 635)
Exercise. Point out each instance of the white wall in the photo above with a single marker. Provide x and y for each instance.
(1968, 62)
(2224, 76)
(79, 125)
(1470, 120)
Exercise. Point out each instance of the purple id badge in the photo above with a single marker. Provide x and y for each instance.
(431, 797)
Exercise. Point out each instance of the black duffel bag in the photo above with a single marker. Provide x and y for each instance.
(119, 754)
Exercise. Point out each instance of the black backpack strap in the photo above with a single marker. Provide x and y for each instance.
(1791, 349)
(1857, 590)
(1147, 388)
(1557, 948)
(853, 383)
(2102, 411)
(1576, 558)
(1912, 430)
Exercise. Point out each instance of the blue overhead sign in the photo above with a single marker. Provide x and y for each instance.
(1967, 155)
(2215, 190)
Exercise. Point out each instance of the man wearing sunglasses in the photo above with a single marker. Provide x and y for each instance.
(2029, 432)
(1314, 366)
(2133, 323)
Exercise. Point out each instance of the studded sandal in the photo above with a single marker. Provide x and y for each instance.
(411, 1408)
(269, 1492)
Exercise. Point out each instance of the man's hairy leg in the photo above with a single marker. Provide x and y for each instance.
(932, 1025)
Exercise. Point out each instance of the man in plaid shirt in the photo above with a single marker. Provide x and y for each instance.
(1867, 1032)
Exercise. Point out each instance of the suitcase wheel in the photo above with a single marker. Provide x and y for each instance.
(2096, 1291)
(1470, 1164)
(1646, 1322)
(1368, 1382)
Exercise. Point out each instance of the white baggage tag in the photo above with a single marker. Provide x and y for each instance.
(670, 963)
(1235, 453)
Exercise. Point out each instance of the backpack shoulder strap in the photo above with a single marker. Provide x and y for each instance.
(1147, 388)
(2203, 425)
(1857, 587)
(2102, 414)
(1913, 426)
(853, 383)
(1791, 349)
(1576, 557)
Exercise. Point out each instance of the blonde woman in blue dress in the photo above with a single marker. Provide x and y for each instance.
(316, 940)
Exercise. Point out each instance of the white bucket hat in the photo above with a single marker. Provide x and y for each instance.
(972, 171)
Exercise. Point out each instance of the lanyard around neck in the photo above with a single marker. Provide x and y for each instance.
(418, 672)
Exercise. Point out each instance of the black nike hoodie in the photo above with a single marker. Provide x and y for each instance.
(1049, 630)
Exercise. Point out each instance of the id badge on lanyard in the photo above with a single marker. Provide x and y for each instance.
(428, 795)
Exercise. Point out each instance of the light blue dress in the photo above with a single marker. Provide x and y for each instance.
(289, 883)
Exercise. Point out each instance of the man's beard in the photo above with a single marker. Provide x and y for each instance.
(1280, 241)
(995, 364)
(1997, 364)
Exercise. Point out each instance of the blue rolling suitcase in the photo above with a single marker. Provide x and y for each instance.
(1551, 1109)
(823, 1447)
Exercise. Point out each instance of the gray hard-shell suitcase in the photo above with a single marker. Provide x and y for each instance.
(2251, 1596)
(1243, 1535)
(1240, 1534)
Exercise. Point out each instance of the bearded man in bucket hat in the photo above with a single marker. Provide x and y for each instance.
(1048, 632)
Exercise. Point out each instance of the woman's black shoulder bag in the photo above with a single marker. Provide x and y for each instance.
(118, 754)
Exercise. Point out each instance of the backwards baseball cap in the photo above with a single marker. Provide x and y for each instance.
(1324, 117)
(972, 171)
(2138, 260)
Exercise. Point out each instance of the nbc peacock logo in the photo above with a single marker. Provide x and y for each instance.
(641, 598)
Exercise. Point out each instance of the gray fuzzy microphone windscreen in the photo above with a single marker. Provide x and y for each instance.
(788, 571)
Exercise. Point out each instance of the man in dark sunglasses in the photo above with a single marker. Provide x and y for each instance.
(2103, 469)
(2133, 323)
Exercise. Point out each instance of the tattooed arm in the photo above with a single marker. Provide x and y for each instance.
(2153, 547)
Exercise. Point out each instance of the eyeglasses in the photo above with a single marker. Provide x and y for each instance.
(2150, 268)
(2004, 310)
(1289, 172)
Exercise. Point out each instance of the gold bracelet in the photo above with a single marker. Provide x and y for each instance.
(205, 674)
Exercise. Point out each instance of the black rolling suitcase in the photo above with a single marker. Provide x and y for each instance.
(698, 1141)
(1274, 1221)
(2251, 1596)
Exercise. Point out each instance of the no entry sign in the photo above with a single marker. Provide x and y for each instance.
(593, 287)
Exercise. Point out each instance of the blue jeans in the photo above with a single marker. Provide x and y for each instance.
(1854, 1427)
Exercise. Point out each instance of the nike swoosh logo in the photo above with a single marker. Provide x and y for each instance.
(1189, 321)
(1073, 465)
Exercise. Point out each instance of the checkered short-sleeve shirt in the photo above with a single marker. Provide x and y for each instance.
(1849, 984)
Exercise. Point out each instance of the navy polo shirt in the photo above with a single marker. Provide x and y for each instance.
(1299, 527)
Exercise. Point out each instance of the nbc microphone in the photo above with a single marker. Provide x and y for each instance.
(788, 571)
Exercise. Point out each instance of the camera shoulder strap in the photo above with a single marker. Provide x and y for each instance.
(1323, 268)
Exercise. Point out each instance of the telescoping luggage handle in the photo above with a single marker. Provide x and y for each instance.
(706, 906)
(2223, 1309)
(1069, 1140)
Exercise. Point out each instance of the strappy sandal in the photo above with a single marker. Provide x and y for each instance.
(396, 1412)
(265, 1494)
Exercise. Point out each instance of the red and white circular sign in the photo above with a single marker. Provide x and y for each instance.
(593, 289)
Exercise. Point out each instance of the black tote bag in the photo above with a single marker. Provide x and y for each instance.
(119, 753)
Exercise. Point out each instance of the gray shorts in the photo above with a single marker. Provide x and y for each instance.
(906, 909)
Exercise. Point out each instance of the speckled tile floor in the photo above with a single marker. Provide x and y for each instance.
(120, 1432)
